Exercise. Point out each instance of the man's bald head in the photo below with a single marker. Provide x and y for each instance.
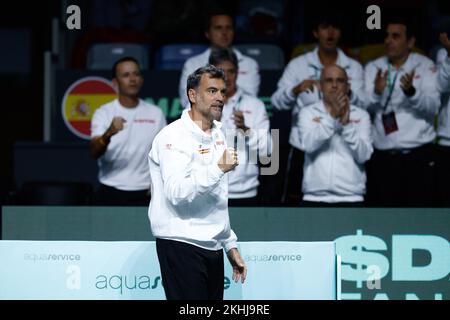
(333, 81)
(332, 69)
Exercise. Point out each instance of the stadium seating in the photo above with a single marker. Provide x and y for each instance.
(101, 56)
(173, 56)
(268, 56)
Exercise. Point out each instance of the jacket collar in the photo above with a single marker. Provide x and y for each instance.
(313, 59)
(409, 64)
(195, 129)
(235, 98)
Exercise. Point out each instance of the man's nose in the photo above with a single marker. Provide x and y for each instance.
(219, 96)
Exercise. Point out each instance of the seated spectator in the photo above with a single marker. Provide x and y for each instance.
(220, 33)
(244, 119)
(336, 137)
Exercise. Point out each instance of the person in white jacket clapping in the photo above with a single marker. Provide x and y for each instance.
(298, 88)
(336, 138)
(246, 126)
(403, 100)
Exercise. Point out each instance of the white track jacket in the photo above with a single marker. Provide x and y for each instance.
(414, 115)
(189, 191)
(243, 180)
(248, 77)
(334, 154)
(443, 82)
(308, 66)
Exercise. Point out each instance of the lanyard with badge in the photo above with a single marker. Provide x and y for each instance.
(389, 120)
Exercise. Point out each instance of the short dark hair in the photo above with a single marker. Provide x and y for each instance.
(218, 56)
(396, 19)
(329, 17)
(211, 14)
(124, 59)
(194, 78)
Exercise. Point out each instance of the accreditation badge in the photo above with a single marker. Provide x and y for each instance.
(389, 122)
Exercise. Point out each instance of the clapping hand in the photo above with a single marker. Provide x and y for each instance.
(407, 83)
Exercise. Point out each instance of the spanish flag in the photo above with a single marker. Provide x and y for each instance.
(82, 99)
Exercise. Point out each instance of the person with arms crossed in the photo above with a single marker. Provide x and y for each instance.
(122, 132)
(188, 212)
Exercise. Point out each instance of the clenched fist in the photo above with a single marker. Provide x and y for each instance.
(117, 124)
(229, 160)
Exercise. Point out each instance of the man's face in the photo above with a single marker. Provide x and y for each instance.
(208, 98)
(221, 31)
(333, 82)
(396, 43)
(128, 79)
(328, 37)
(230, 76)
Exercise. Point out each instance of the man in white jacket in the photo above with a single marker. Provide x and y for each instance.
(337, 141)
(403, 99)
(299, 87)
(246, 125)
(220, 33)
(188, 212)
(443, 146)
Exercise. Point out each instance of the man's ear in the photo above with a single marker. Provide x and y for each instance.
(411, 43)
(315, 34)
(192, 95)
(115, 83)
(207, 35)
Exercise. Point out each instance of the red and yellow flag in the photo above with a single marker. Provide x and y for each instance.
(81, 100)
